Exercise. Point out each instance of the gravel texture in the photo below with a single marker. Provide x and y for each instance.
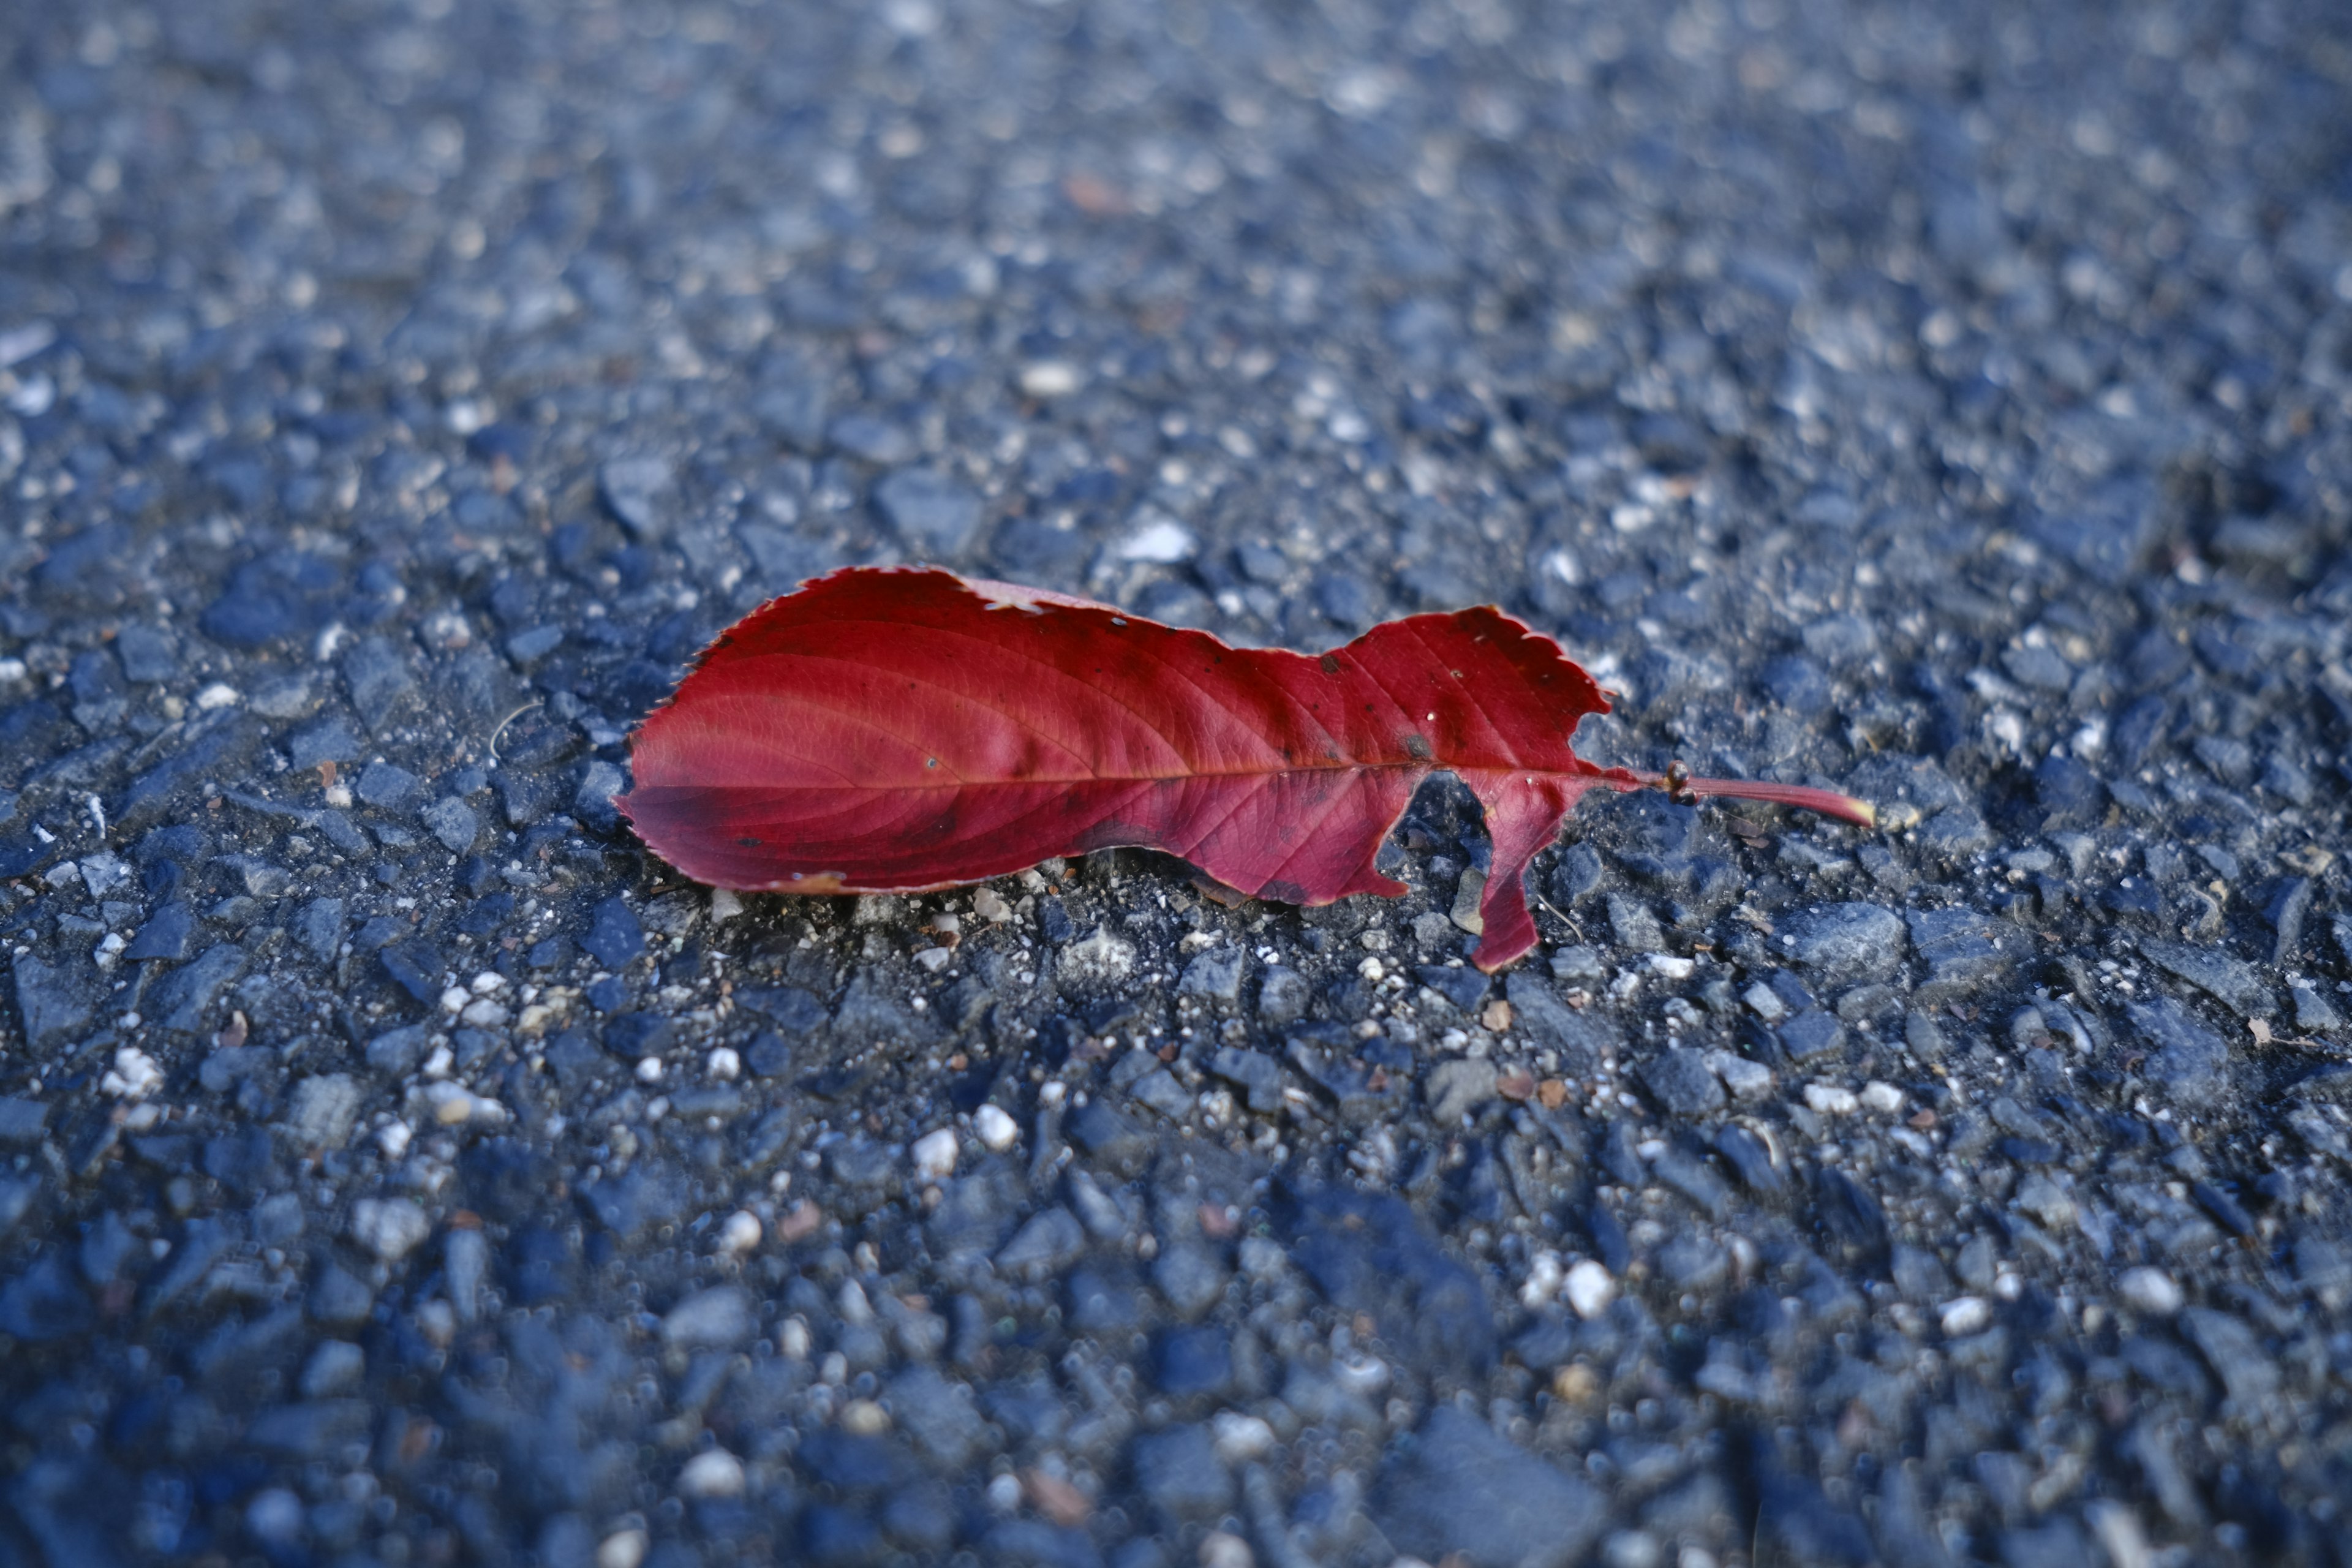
(1950, 404)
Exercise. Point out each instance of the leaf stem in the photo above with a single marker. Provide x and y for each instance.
(1828, 803)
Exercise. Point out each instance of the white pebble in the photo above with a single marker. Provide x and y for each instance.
(1241, 1438)
(1590, 1288)
(455, 997)
(1828, 1099)
(136, 1075)
(990, 905)
(391, 1229)
(1964, 1315)
(725, 1064)
(741, 1234)
(935, 1155)
(2149, 1291)
(1670, 966)
(997, 1131)
(725, 904)
(1544, 1276)
(1883, 1098)
(714, 1472)
(650, 1070)
(622, 1549)
(217, 695)
(393, 1138)
(1161, 541)
(1050, 378)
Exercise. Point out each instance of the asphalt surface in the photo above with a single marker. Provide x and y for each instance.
(1951, 405)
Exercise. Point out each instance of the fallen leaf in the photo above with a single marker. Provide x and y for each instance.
(887, 729)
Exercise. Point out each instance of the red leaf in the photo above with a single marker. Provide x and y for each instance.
(905, 730)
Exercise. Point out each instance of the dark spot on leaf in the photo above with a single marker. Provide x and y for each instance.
(1417, 748)
(1330, 666)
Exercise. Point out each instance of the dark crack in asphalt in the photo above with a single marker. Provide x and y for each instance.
(1949, 405)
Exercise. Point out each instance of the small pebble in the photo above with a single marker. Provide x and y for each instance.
(740, 1233)
(1830, 1099)
(2149, 1291)
(864, 1418)
(1050, 378)
(1964, 1315)
(622, 1549)
(996, 1130)
(935, 1155)
(1590, 1288)
(713, 1473)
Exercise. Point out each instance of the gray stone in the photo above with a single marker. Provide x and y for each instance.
(337, 1366)
(165, 936)
(1841, 945)
(52, 1000)
(614, 937)
(1042, 1248)
(1681, 1082)
(1809, 1034)
(311, 1429)
(719, 1317)
(1954, 834)
(453, 823)
(1459, 1488)
(466, 1262)
(1214, 975)
(381, 685)
(384, 785)
(397, 1053)
(1258, 1075)
(1282, 996)
(1578, 966)
(935, 516)
(1581, 1037)
(1178, 1473)
(1634, 926)
(323, 1110)
(1961, 950)
(328, 741)
(639, 489)
(319, 927)
(21, 1121)
(2187, 1060)
(2314, 1014)
(339, 1299)
(2232, 1348)
(939, 1414)
(17, 1196)
(1456, 1088)
(391, 1229)
(2232, 982)
(184, 999)
(1190, 1275)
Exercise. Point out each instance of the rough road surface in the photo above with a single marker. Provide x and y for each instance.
(1950, 404)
